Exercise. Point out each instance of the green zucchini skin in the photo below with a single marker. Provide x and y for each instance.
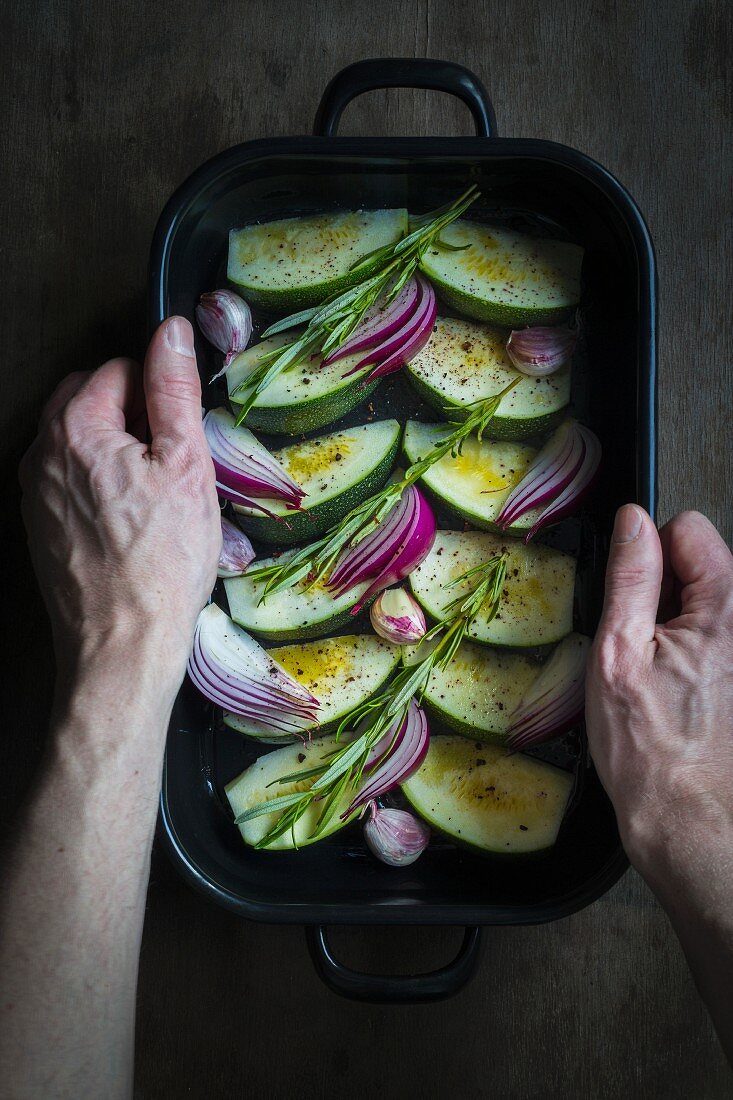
(503, 277)
(487, 800)
(292, 527)
(464, 362)
(294, 263)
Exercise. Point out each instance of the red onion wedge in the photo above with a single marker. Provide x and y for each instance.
(400, 752)
(237, 551)
(234, 672)
(245, 470)
(554, 702)
(400, 345)
(540, 351)
(379, 322)
(387, 554)
(560, 475)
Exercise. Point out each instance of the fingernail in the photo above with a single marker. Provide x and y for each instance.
(179, 336)
(628, 523)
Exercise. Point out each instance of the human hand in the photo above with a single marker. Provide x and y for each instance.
(125, 534)
(659, 700)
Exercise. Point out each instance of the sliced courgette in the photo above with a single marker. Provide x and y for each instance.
(297, 262)
(537, 601)
(337, 471)
(464, 362)
(342, 673)
(304, 397)
(475, 483)
(258, 784)
(505, 277)
(477, 691)
(293, 614)
(489, 800)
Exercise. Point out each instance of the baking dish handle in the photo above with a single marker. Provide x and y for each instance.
(404, 72)
(396, 989)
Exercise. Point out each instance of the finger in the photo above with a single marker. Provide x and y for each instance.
(696, 558)
(61, 396)
(172, 384)
(633, 577)
(111, 397)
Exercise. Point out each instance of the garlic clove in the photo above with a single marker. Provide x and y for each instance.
(397, 617)
(237, 551)
(541, 351)
(395, 837)
(226, 321)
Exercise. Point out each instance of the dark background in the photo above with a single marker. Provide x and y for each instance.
(105, 108)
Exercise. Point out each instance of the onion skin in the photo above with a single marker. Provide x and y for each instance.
(237, 551)
(402, 344)
(226, 321)
(554, 703)
(245, 470)
(395, 837)
(560, 475)
(395, 757)
(379, 322)
(233, 671)
(391, 551)
(538, 351)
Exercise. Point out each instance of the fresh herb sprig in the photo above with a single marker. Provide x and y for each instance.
(344, 769)
(329, 325)
(315, 561)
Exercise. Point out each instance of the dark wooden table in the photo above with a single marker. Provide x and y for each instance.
(106, 107)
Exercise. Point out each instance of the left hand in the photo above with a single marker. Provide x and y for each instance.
(125, 534)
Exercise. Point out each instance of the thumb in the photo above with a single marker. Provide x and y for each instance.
(172, 383)
(633, 577)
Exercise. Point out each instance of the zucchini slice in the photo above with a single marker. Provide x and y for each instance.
(293, 614)
(537, 601)
(505, 277)
(253, 787)
(476, 693)
(341, 672)
(475, 483)
(337, 471)
(463, 362)
(482, 797)
(304, 397)
(297, 262)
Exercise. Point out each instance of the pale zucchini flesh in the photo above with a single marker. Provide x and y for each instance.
(537, 602)
(293, 614)
(253, 787)
(464, 362)
(505, 277)
(337, 471)
(487, 799)
(302, 398)
(475, 482)
(476, 693)
(296, 262)
(340, 672)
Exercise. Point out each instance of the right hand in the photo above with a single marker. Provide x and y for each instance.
(659, 700)
(125, 534)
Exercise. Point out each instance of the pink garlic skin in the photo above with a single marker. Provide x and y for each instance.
(397, 617)
(540, 351)
(395, 837)
(237, 551)
(226, 321)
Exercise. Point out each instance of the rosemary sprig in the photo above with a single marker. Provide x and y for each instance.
(344, 768)
(316, 560)
(329, 325)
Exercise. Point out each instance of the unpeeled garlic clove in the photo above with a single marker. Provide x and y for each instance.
(395, 837)
(226, 321)
(237, 551)
(397, 617)
(540, 351)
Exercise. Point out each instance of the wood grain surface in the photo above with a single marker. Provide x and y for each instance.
(106, 107)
